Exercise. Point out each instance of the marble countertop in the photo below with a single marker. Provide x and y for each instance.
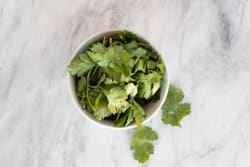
(205, 43)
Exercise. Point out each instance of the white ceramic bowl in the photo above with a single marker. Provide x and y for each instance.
(150, 109)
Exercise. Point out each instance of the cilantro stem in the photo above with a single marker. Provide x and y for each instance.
(137, 59)
(117, 117)
(97, 100)
(96, 86)
(87, 90)
(110, 41)
(104, 41)
(95, 69)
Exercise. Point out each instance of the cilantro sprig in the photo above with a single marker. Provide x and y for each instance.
(173, 108)
(141, 143)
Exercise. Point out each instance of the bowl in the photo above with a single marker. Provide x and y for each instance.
(151, 109)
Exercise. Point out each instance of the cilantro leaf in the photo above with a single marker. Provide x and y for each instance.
(117, 100)
(98, 48)
(161, 67)
(101, 107)
(145, 89)
(131, 89)
(121, 54)
(139, 52)
(130, 118)
(121, 121)
(131, 45)
(81, 85)
(141, 65)
(149, 84)
(80, 65)
(138, 112)
(109, 81)
(141, 143)
(127, 36)
(173, 108)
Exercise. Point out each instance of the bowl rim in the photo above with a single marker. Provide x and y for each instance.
(72, 92)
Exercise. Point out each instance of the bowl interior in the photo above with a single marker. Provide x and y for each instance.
(150, 108)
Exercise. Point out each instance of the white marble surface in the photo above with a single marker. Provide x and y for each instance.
(205, 42)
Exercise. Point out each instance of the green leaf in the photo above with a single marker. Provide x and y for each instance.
(144, 45)
(156, 87)
(115, 76)
(130, 118)
(161, 67)
(151, 64)
(139, 52)
(131, 89)
(138, 112)
(99, 59)
(145, 90)
(80, 65)
(127, 36)
(81, 84)
(141, 65)
(109, 81)
(101, 107)
(173, 108)
(149, 84)
(98, 48)
(122, 61)
(117, 100)
(183, 110)
(131, 45)
(141, 143)
(100, 55)
(121, 121)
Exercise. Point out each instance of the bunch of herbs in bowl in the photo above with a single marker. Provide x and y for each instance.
(117, 79)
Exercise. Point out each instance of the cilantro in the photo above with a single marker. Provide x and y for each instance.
(173, 108)
(98, 48)
(141, 66)
(149, 84)
(127, 36)
(101, 107)
(131, 89)
(81, 85)
(151, 65)
(117, 100)
(141, 143)
(109, 81)
(116, 77)
(131, 45)
(120, 122)
(130, 118)
(139, 52)
(138, 112)
(80, 66)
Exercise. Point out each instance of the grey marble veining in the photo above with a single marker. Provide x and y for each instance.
(205, 43)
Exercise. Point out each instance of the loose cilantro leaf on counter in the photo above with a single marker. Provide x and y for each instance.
(141, 143)
(173, 108)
